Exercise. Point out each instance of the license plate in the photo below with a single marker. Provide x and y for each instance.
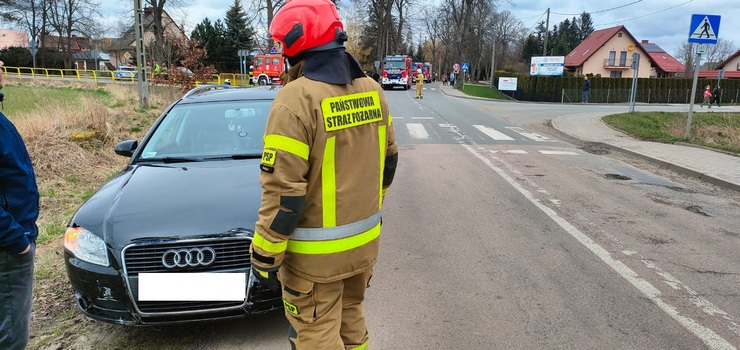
(192, 286)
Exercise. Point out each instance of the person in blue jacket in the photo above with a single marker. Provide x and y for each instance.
(19, 209)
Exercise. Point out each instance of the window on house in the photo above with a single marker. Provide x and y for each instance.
(623, 58)
(619, 35)
(612, 57)
(615, 74)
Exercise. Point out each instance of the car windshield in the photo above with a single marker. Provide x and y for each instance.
(395, 64)
(211, 130)
(126, 68)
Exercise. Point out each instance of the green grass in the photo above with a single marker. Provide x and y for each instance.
(23, 98)
(484, 91)
(715, 130)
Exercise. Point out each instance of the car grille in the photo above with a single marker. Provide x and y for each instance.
(230, 255)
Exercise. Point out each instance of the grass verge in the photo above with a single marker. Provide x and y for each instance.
(719, 131)
(70, 131)
(484, 91)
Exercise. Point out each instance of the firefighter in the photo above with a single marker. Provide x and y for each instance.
(329, 157)
(419, 84)
(251, 75)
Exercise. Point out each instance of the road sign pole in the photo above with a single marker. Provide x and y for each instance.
(633, 92)
(687, 132)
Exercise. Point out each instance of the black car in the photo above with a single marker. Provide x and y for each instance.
(167, 240)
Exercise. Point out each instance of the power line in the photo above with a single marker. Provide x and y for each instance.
(595, 12)
(536, 22)
(649, 14)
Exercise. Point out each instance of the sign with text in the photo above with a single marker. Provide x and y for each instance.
(547, 65)
(506, 84)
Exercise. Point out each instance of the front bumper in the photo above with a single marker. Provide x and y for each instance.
(108, 294)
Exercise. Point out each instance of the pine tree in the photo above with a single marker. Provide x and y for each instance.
(239, 35)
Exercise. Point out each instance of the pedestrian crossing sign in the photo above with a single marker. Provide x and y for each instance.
(704, 29)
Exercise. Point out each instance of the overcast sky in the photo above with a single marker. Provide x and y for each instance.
(664, 22)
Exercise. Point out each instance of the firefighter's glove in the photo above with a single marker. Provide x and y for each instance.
(267, 278)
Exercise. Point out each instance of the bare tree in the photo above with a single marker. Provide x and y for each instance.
(71, 17)
(713, 55)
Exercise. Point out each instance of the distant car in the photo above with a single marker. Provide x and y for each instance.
(125, 72)
(185, 204)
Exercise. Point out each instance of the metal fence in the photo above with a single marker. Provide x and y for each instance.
(729, 96)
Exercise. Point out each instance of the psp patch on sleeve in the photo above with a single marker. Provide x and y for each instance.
(268, 157)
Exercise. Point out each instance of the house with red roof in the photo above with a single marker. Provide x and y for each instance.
(730, 67)
(609, 53)
(663, 65)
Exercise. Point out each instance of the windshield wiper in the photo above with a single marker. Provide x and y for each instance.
(172, 159)
(236, 156)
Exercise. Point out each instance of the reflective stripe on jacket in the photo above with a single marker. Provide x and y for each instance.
(326, 149)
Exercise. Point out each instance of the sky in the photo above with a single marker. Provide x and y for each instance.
(664, 22)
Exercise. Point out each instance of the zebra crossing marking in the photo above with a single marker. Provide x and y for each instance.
(530, 135)
(560, 153)
(493, 133)
(417, 131)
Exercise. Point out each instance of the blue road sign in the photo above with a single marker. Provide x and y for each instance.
(465, 66)
(704, 29)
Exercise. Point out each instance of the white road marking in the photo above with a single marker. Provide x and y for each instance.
(560, 153)
(493, 133)
(434, 89)
(515, 151)
(417, 131)
(705, 334)
(708, 336)
(422, 118)
(397, 117)
(530, 135)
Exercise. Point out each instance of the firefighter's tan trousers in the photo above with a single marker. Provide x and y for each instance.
(419, 90)
(326, 316)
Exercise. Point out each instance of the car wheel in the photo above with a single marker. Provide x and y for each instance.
(263, 81)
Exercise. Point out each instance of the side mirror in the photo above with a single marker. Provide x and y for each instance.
(126, 148)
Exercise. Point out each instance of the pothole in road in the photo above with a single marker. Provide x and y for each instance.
(595, 149)
(697, 210)
(617, 177)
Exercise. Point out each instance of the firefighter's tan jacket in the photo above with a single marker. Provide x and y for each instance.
(325, 150)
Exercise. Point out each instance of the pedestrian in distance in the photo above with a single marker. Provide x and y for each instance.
(717, 94)
(317, 236)
(251, 75)
(707, 97)
(419, 84)
(18, 231)
(585, 90)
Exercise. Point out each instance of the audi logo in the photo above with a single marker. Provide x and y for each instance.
(192, 257)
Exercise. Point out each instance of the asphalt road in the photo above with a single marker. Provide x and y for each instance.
(501, 234)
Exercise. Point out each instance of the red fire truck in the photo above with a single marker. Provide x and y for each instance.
(426, 69)
(397, 72)
(267, 68)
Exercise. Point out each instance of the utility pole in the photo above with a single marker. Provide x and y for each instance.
(141, 55)
(547, 30)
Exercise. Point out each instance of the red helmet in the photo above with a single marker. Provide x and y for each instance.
(307, 25)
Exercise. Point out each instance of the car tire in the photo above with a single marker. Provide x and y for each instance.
(262, 81)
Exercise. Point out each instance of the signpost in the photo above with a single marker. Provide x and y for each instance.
(33, 47)
(633, 91)
(456, 68)
(704, 29)
(243, 70)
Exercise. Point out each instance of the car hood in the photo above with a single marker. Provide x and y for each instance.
(174, 201)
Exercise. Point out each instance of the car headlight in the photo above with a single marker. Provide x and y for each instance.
(85, 245)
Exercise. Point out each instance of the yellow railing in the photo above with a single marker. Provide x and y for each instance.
(107, 75)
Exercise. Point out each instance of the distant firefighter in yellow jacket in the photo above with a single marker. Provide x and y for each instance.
(419, 84)
(329, 157)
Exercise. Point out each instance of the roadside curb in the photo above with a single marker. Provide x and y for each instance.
(671, 166)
